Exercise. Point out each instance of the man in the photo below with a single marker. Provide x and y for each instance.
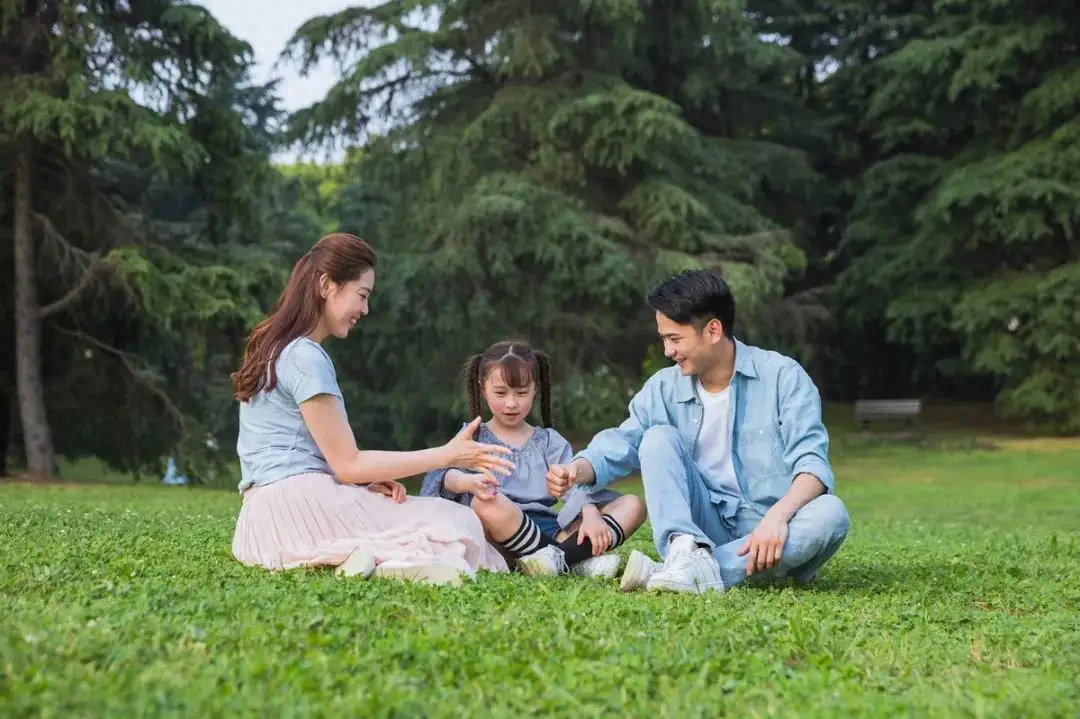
(731, 449)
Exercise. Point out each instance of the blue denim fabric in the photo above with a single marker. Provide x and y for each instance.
(777, 434)
(777, 431)
(680, 502)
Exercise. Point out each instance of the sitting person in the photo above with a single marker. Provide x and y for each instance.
(517, 512)
(310, 496)
(731, 449)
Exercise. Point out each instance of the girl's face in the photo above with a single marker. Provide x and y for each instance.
(346, 303)
(509, 406)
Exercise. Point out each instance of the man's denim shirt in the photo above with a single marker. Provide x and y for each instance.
(777, 432)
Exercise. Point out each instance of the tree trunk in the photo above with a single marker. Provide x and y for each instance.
(5, 425)
(7, 363)
(37, 437)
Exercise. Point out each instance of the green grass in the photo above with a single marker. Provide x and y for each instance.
(957, 594)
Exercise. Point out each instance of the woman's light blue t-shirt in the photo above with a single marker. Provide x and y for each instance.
(274, 443)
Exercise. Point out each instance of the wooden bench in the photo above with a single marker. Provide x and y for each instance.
(884, 410)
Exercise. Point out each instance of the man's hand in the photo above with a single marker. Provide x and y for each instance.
(560, 478)
(765, 544)
(596, 529)
(390, 488)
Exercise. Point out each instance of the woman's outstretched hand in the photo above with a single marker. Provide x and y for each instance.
(465, 452)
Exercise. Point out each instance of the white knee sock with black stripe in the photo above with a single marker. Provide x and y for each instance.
(527, 539)
(616, 530)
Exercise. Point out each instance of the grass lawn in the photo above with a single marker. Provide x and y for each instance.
(957, 594)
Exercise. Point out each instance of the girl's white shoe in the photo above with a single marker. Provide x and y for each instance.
(545, 562)
(603, 567)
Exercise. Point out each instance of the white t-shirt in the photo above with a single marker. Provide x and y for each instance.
(712, 454)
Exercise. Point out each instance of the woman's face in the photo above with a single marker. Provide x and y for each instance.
(347, 303)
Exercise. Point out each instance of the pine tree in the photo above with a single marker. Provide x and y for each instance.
(83, 85)
(538, 168)
(840, 336)
(967, 228)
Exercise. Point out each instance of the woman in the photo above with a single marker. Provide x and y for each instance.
(310, 496)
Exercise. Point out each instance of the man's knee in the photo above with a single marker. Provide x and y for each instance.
(660, 440)
(831, 516)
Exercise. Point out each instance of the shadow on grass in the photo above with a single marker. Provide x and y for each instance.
(892, 577)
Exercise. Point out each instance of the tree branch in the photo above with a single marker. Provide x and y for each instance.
(84, 281)
(92, 265)
(482, 70)
(129, 364)
(63, 245)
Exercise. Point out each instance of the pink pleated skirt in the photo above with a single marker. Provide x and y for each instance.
(313, 520)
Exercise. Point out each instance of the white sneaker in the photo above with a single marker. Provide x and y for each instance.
(358, 564)
(639, 567)
(694, 571)
(603, 567)
(426, 573)
(548, 561)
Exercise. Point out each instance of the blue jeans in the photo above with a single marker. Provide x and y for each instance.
(679, 502)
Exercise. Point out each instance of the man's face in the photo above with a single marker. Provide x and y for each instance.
(694, 352)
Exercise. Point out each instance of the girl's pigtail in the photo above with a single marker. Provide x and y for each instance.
(472, 386)
(543, 364)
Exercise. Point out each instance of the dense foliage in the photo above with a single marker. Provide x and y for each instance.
(891, 186)
(137, 151)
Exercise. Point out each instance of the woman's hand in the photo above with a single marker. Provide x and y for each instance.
(464, 451)
(596, 529)
(326, 421)
(390, 488)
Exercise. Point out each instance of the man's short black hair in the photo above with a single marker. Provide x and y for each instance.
(694, 297)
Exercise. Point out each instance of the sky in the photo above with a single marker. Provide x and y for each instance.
(267, 25)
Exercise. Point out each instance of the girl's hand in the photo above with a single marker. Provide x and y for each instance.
(463, 451)
(596, 529)
(482, 486)
(390, 488)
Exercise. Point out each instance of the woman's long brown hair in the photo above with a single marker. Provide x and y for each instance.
(342, 258)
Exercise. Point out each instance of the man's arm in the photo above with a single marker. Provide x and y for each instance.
(561, 454)
(806, 449)
(805, 439)
(765, 545)
(611, 455)
(805, 488)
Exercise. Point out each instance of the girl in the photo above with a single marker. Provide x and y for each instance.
(517, 511)
(310, 497)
